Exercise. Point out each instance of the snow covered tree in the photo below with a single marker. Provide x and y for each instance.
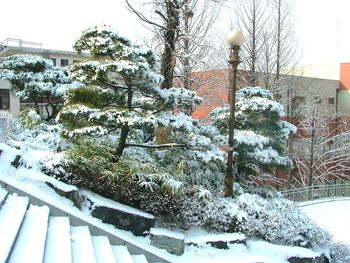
(260, 133)
(122, 93)
(36, 79)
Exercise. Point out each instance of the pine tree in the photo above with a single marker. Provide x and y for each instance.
(260, 133)
(36, 79)
(122, 93)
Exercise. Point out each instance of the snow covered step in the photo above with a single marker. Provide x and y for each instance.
(139, 259)
(58, 236)
(11, 217)
(30, 243)
(103, 249)
(82, 249)
(122, 254)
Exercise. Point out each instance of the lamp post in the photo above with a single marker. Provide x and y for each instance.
(235, 39)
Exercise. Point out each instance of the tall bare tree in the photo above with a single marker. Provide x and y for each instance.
(182, 29)
(323, 152)
(168, 25)
(252, 18)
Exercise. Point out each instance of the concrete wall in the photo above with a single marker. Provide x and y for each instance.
(308, 90)
(14, 100)
(344, 102)
(324, 71)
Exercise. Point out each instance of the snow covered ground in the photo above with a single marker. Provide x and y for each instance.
(33, 181)
(333, 214)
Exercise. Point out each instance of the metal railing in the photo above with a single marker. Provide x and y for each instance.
(14, 42)
(317, 192)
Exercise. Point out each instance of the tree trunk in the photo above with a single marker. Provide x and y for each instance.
(170, 36)
(122, 142)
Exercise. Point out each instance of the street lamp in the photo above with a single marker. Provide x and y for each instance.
(235, 39)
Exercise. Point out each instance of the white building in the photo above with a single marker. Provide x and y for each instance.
(8, 100)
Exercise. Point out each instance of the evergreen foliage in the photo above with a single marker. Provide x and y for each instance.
(260, 133)
(121, 93)
(35, 79)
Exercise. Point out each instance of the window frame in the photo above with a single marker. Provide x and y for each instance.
(5, 106)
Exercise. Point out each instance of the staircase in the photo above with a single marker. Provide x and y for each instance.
(29, 233)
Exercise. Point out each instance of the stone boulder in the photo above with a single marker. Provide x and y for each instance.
(119, 215)
(319, 259)
(68, 191)
(217, 240)
(171, 241)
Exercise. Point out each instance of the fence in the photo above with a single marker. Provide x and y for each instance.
(317, 191)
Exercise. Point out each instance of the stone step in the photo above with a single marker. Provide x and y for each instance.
(82, 249)
(58, 236)
(30, 243)
(139, 259)
(122, 254)
(103, 249)
(11, 217)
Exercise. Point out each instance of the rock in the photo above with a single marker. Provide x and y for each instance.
(135, 223)
(16, 162)
(117, 214)
(71, 194)
(220, 241)
(319, 259)
(173, 242)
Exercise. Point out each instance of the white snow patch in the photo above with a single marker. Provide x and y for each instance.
(30, 243)
(11, 215)
(333, 215)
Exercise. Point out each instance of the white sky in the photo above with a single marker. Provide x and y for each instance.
(57, 24)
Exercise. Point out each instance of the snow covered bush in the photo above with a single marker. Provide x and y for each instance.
(260, 133)
(278, 220)
(35, 79)
(29, 118)
(214, 214)
(9, 126)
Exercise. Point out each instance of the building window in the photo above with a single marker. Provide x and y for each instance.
(64, 62)
(54, 61)
(4, 99)
(330, 100)
(76, 61)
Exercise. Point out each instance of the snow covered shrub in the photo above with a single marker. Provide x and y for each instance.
(214, 214)
(260, 133)
(339, 252)
(278, 220)
(29, 118)
(9, 126)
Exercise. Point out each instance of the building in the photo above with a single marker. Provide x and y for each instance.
(8, 99)
(328, 84)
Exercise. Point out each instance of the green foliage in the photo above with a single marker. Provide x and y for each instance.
(92, 97)
(260, 133)
(29, 118)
